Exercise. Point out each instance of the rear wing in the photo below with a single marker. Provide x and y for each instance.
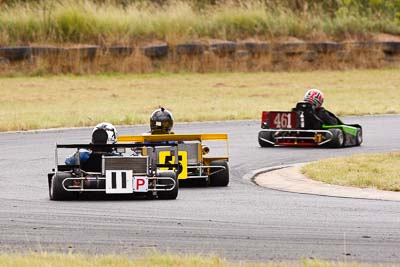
(178, 138)
(106, 146)
(172, 137)
(117, 148)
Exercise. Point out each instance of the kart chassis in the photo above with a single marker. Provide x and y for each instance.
(118, 170)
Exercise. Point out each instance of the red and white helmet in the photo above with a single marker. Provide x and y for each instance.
(314, 97)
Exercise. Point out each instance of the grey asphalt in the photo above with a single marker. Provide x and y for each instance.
(242, 222)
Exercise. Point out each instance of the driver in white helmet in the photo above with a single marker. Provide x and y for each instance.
(316, 98)
(103, 133)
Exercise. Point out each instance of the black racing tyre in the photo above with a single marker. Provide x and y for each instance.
(56, 189)
(256, 48)
(195, 48)
(223, 48)
(173, 194)
(16, 53)
(324, 47)
(156, 51)
(120, 50)
(150, 195)
(337, 138)
(359, 137)
(220, 178)
(265, 135)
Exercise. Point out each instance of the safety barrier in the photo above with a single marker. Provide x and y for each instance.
(215, 55)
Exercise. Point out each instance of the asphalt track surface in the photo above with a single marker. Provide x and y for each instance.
(242, 222)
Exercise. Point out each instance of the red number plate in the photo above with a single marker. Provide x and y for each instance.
(282, 120)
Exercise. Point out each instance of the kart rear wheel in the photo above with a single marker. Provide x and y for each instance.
(173, 194)
(56, 189)
(221, 177)
(267, 136)
(359, 137)
(337, 138)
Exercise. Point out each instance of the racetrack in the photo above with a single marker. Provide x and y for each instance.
(240, 222)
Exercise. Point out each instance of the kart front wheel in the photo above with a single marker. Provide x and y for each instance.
(337, 138)
(263, 136)
(359, 137)
(220, 177)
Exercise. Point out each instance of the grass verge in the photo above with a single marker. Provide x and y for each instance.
(64, 101)
(106, 22)
(61, 260)
(379, 171)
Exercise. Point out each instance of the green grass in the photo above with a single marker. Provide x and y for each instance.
(164, 260)
(63, 101)
(76, 21)
(379, 171)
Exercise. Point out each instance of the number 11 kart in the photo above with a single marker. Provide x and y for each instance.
(113, 169)
(301, 127)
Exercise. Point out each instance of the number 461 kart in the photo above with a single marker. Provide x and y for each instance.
(301, 127)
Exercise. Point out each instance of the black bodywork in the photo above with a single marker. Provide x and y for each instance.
(306, 128)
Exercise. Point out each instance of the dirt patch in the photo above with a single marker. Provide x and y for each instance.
(384, 37)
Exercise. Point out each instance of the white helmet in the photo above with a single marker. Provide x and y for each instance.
(104, 133)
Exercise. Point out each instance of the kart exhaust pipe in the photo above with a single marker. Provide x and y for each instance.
(205, 149)
(94, 184)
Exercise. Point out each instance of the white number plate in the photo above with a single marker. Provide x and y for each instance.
(140, 184)
(123, 182)
(118, 181)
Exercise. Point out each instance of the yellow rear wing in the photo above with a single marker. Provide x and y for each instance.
(171, 137)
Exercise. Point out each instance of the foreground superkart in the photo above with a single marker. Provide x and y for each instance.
(196, 159)
(301, 127)
(113, 169)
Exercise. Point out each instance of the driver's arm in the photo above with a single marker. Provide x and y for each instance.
(327, 117)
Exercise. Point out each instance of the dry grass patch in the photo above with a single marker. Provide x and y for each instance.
(61, 260)
(380, 171)
(105, 22)
(60, 101)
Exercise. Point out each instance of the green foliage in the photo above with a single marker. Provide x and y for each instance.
(71, 25)
(379, 171)
(124, 21)
(374, 7)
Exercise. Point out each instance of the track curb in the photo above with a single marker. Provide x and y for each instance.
(288, 178)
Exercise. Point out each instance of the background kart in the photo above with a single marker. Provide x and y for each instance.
(112, 169)
(196, 159)
(301, 127)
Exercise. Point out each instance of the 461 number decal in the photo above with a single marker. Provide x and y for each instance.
(282, 120)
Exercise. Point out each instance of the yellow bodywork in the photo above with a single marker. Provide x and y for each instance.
(171, 137)
(166, 156)
(205, 161)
